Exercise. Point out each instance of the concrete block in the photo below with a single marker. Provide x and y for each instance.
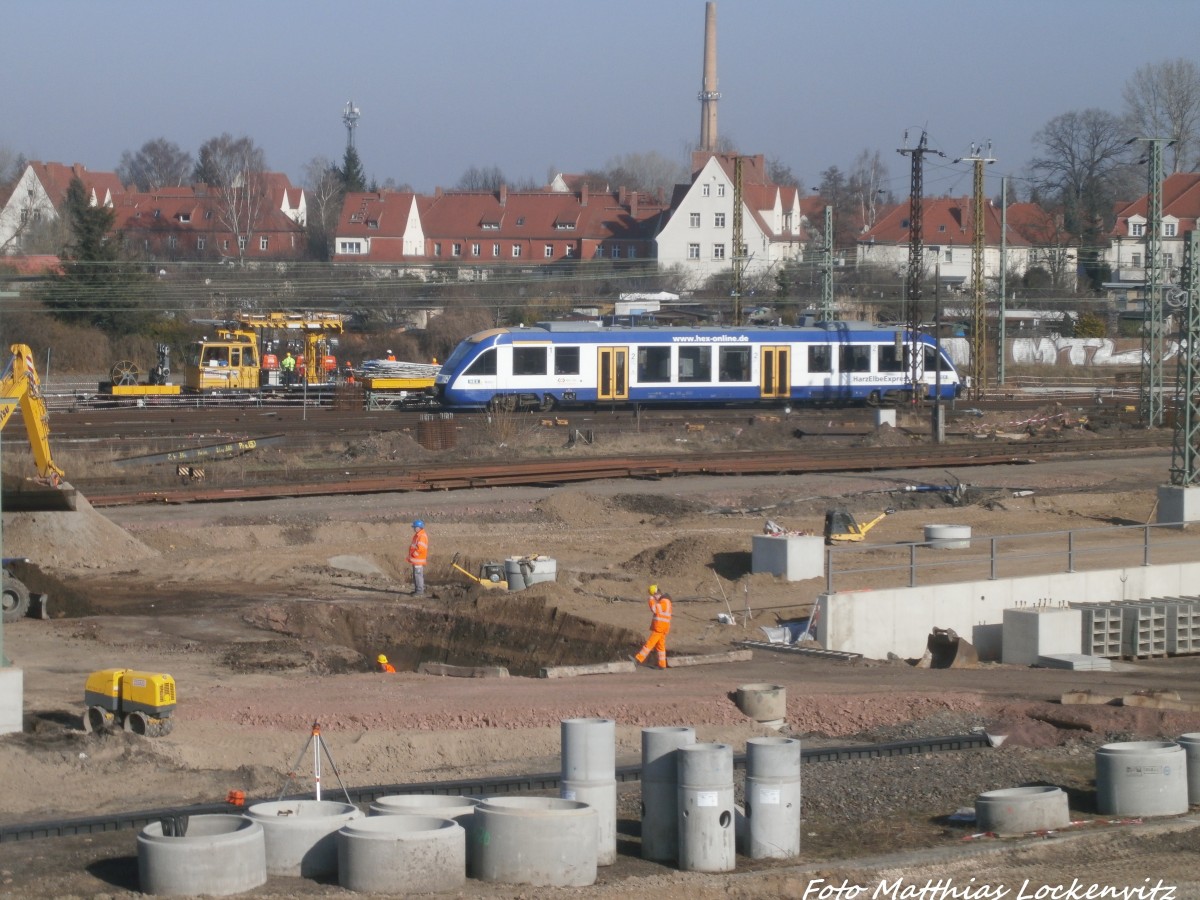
(608, 668)
(1032, 632)
(794, 556)
(1178, 505)
(708, 659)
(12, 700)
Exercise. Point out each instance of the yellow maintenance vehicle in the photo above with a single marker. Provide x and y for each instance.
(245, 353)
(248, 353)
(21, 387)
(138, 702)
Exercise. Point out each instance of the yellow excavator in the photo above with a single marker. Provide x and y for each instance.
(20, 386)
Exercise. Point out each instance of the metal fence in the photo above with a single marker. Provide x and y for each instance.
(1006, 556)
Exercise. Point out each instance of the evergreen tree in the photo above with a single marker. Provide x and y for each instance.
(95, 287)
(354, 179)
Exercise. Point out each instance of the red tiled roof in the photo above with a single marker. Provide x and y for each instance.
(522, 217)
(944, 220)
(1180, 200)
(56, 178)
(45, 264)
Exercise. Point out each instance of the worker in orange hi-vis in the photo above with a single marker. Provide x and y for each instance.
(660, 626)
(418, 555)
(383, 665)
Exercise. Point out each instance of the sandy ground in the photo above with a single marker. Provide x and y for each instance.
(269, 614)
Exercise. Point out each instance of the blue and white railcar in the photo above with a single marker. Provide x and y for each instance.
(567, 364)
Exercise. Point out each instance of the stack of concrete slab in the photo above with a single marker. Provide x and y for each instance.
(1078, 662)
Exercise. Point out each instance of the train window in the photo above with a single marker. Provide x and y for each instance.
(485, 364)
(932, 360)
(854, 358)
(733, 363)
(654, 364)
(695, 364)
(820, 358)
(566, 360)
(529, 360)
(216, 356)
(235, 356)
(891, 359)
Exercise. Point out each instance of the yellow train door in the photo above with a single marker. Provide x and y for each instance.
(612, 373)
(775, 373)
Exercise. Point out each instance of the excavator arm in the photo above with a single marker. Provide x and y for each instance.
(19, 385)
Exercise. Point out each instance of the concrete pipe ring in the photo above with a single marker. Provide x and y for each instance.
(1022, 810)
(219, 855)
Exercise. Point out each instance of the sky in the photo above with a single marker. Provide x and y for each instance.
(534, 86)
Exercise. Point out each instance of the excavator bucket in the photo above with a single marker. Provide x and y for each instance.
(948, 651)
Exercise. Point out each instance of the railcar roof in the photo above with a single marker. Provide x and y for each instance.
(591, 329)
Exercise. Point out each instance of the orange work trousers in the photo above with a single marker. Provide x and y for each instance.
(657, 639)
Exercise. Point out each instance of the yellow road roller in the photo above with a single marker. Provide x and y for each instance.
(138, 702)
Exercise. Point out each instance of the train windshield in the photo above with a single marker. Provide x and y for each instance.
(454, 359)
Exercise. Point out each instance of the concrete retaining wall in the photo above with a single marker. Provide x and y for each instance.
(898, 620)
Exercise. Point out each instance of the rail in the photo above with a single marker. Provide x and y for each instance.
(1010, 555)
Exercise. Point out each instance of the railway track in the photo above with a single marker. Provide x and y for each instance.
(517, 784)
(337, 480)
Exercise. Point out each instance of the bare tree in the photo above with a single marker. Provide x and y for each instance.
(649, 172)
(11, 166)
(1084, 166)
(1163, 100)
(236, 170)
(323, 189)
(489, 178)
(867, 187)
(779, 172)
(158, 164)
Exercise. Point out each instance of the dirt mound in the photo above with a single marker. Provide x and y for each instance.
(686, 556)
(582, 510)
(81, 539)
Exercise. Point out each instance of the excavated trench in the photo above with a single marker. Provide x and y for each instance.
(521, 633)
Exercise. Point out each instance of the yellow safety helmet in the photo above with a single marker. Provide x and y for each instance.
(381, 658)
(654, 588)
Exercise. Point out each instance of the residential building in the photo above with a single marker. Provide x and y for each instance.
(1128, 240)
(698, 234)
(948, 236)
(38, 197)
(475, 232)
(198, 222)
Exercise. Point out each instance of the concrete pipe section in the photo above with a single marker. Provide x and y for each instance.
(1022, 810)
(1191, 752)
(707, 836)
(1141, 778)
(589, 775)
(300, 834)
(412, 854)
(216, 855)
(764, 703)
(460, 809)
(773, 798)
(543, 841)
(660, 790)
(948, 537)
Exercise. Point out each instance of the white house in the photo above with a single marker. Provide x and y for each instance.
(39, 194)
(698, 235)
